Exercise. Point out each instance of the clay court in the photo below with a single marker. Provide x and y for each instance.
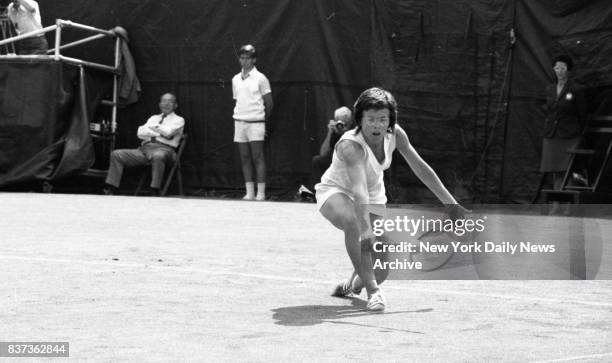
(169, 279)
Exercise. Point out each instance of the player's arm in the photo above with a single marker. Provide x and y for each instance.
(266, 91)
(268, 104)
(420, 168)
(354, 156)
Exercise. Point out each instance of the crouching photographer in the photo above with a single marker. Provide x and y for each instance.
(342, 122)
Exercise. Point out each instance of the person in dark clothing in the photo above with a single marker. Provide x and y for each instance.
(565, 120)
(342, 122)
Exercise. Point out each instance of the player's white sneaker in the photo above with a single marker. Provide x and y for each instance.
(376, 302)
(248, 197)
(347, 288)
(343, 289)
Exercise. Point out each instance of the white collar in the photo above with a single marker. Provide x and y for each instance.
(248, 73)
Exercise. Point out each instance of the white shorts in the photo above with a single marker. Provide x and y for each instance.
(325, 191)
(249, 131)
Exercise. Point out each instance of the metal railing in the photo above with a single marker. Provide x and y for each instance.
(58, 47)
(55, 53)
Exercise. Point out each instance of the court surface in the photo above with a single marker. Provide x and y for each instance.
(169, 279)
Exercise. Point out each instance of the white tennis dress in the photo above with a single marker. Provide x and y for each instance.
(336, 178)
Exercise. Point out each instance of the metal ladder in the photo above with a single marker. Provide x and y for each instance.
(600, 128)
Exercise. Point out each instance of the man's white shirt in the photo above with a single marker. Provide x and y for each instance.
(248, 94)
(173, 124)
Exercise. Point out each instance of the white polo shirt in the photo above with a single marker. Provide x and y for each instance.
(248, 94)
(24, 20)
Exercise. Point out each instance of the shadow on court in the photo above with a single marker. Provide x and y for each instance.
(307, 315)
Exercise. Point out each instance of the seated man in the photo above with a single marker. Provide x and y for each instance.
(343, 121)
(160, 137)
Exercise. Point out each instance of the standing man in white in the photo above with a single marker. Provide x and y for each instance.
(251, 90)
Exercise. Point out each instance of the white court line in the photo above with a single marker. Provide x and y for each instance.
(581, 357)
(300, 280)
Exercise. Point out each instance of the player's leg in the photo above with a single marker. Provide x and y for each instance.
(356, 284)
(241, 139)
(259, 160)
(247, 169)
(368, 252)
(340, 211)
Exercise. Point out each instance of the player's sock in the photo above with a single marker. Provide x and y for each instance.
(261, 191)
(250, 191)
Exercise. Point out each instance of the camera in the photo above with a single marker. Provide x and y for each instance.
(340, 126)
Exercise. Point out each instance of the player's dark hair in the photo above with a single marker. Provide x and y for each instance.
(375, 98)
(564, 59)
(247, 49)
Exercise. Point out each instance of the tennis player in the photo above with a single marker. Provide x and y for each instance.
(353, 184)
